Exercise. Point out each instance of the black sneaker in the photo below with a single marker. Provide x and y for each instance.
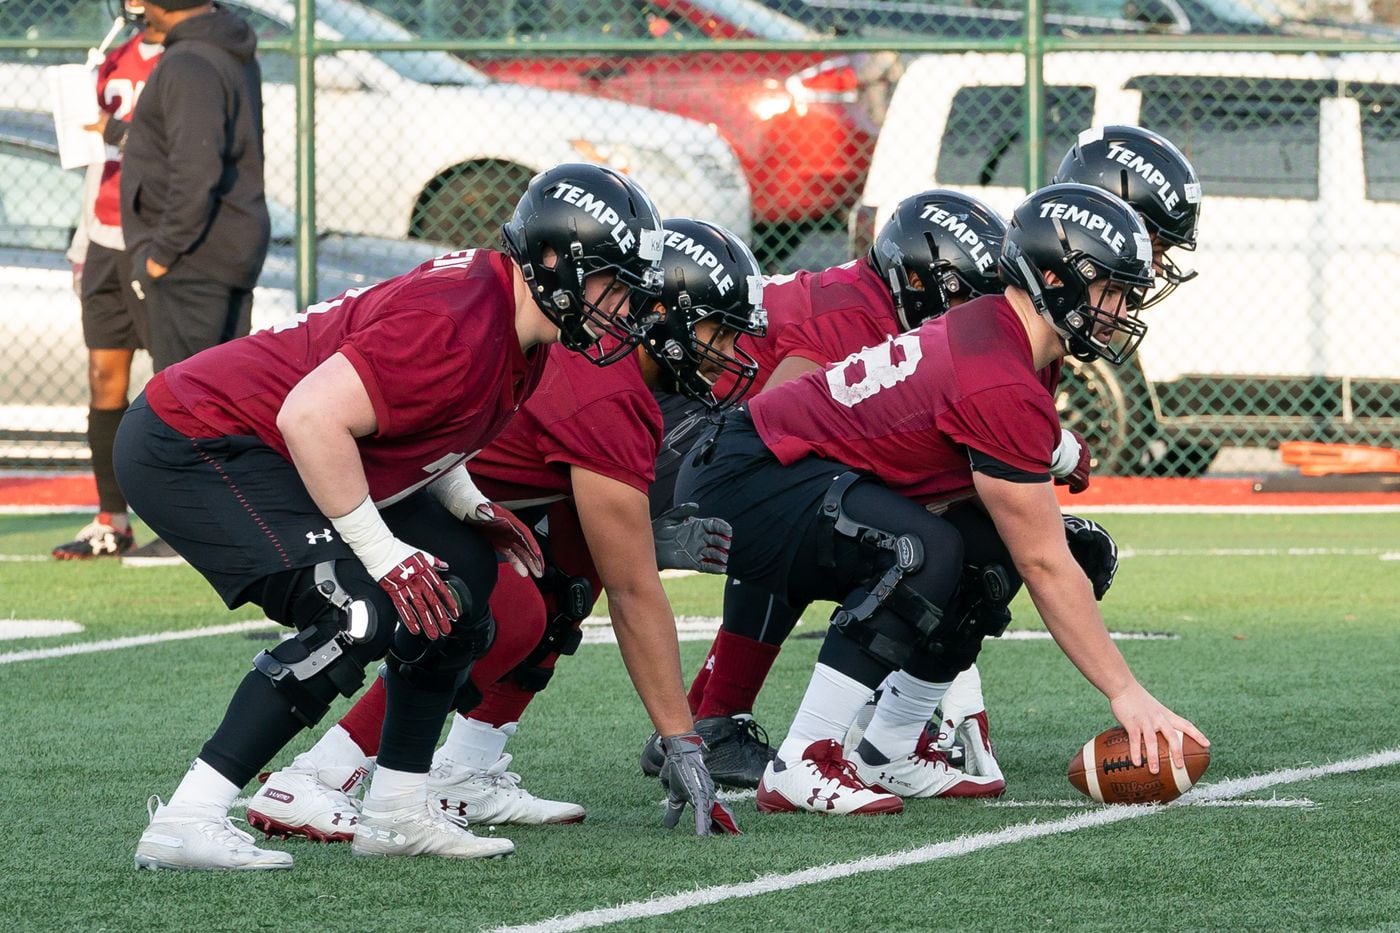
(738, 749)
(98, 538)
(155, 553)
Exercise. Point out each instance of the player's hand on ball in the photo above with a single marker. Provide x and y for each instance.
(1144, 717)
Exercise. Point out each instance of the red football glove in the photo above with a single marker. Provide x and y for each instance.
(511, 539)
(1070, 466)
(423, 601)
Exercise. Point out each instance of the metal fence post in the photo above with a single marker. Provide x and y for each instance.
(304, 53)
(1034, 52)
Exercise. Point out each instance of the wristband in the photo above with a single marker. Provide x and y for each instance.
(459, 495)
(373, 543)
(1066, 456)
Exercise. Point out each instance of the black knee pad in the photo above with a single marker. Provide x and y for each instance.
(443, 663)
(311, 668)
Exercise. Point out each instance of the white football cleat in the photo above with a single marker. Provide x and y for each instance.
(822, 781)
(493, 796)
(299, 801)
(200, 839)
(420, 829)
(925, 772)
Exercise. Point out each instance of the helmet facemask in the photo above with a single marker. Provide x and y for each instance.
(692, 365)
(1109, 330)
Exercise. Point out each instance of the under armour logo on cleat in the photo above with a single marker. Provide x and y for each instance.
(325, 535)
(828, 799)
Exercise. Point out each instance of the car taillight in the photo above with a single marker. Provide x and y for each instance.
(831, 81)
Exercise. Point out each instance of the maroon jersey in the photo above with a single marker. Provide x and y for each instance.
(907, 410)
(850, 309)
(603, 420)
(436, 350)
(852, 289)
(120, 80)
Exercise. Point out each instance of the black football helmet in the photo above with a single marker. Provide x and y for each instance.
(709, 275)
(1146, 170)
(594, 221)
(1083, 235)
(937, 246)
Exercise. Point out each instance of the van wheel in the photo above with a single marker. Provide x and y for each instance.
(465, 206)
(1111, 407)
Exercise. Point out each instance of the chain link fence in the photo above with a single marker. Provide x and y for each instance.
(430, 117)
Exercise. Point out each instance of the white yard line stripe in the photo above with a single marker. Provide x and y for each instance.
(963, 845)
(597, 630)
(14, 629)
(1127, 552)
(113, 644)
(47, 509)
(1084, 803)
(1230, 509)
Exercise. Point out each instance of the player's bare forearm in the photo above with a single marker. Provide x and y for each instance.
(646, 637)
(616, 523)
(319, 420)
(1028, 519)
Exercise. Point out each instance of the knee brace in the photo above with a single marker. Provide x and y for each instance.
(980, 609)
(337, 635)
(887, 618)
(574, 598)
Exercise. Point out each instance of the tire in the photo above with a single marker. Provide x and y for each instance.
(1112, 408)
(466, 206)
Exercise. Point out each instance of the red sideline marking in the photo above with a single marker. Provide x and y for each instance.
(1138, 490)
(79, 489)
(58, 489)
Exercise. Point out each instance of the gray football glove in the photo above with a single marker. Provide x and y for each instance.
(687, 542)
(687, 781)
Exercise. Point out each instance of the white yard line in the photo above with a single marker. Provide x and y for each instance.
(1082, 803)
(37, 628)
(597, 630)
(963, 845)
(113, 644)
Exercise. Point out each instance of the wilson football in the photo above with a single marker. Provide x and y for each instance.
(1103, 770)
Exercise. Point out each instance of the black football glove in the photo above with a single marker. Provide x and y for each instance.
(1095, 551)
(687, 542)
(687, 781)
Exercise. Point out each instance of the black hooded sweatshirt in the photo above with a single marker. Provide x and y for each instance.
(192, 171)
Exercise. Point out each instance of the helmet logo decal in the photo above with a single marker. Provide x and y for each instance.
(1090, 221)
(599, 210)
(703, 257)
(976, 250)
(1150, 173)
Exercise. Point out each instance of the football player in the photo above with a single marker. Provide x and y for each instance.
(114, 319)
(318, 470)
(833, 483)
(938, 250)
(581, 456)
(1151, 174)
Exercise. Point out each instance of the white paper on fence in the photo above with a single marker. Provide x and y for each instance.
(74, 93)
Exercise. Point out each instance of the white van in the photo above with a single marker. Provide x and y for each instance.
(1291, 330)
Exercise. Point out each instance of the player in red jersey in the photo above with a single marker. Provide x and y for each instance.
(578, 460)
(114, 319)
(316, 468)
(833, 484)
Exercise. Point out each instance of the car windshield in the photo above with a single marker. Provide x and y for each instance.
(354, 21)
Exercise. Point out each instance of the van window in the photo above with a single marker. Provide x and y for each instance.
(1380, 138)
(984, 140)
(1248, 137)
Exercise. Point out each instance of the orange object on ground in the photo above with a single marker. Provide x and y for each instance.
(1314, 459)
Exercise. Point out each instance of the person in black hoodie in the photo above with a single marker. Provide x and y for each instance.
(193, 210)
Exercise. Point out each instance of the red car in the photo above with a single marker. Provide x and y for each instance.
(793, 118)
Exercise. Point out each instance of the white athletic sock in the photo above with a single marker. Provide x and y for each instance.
(831, 703)
(335, 749)
(906, 704)
(476, 744)
(395, 790)
(202, 787)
